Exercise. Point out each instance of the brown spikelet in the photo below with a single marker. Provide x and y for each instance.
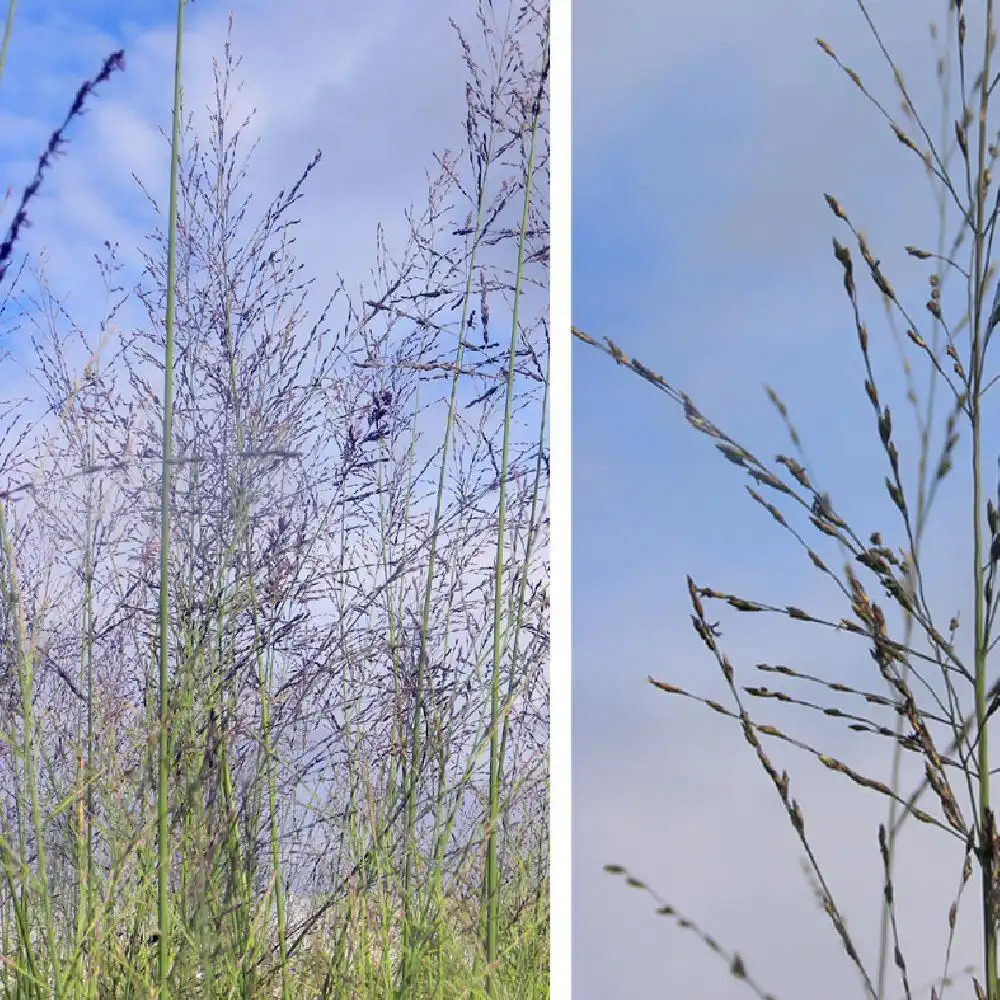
(817, 562)
(769, 507)
(735, 454)
(826, 48)
(796, 470)
(695, 599)
(904, 138)
(616, 352)
(962, 143)
(872, 393)
(766, 478)
(835, 207)
(843, 255)
(896, 495)
(885, 426)
(743, 605)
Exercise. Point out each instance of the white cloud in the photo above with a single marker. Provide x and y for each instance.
(377, 87)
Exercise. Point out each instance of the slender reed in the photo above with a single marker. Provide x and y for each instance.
(163, 831)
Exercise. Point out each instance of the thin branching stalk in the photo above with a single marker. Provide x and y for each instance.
(927, 481)
(7, 29)
(163, 830)
(958, 773)
(492, 874)
(300, 469)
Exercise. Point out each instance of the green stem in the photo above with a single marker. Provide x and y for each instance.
(981, 638)
(163, 873)
(492, 873)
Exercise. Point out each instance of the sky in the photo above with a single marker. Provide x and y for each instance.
(379, 87)
(352, 80)
(704, 138)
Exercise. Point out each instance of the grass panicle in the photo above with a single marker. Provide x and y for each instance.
(937, 703)
(273, 581)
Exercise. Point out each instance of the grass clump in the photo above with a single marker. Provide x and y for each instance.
(273, 597)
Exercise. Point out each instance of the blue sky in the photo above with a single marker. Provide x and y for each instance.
(379, 87)
(341, 80)
(704, 137)
(355, 82)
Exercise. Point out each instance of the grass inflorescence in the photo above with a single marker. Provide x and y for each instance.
(273, 595)
(925, 698)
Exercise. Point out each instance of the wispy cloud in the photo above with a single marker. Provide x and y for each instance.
(358, 84)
